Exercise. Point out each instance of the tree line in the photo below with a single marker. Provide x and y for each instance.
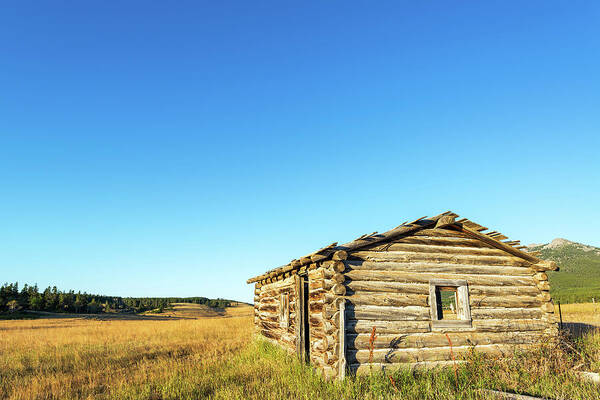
(29, 297)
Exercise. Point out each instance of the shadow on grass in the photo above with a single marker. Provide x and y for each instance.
(579, 329)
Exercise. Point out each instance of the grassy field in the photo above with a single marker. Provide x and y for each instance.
(188, 354)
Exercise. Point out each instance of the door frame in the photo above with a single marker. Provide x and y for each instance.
(302, 322)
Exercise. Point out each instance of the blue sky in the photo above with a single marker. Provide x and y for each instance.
(176, 149)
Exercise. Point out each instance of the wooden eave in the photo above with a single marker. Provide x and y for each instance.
(445, 220)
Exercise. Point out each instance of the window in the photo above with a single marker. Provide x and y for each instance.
(284, 310)
(449, 304)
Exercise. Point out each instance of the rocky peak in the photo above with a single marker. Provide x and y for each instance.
(558, 242)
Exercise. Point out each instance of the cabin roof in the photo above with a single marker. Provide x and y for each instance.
(443, 220)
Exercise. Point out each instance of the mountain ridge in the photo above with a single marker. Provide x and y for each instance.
(579, 277)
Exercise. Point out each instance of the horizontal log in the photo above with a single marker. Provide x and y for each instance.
(318, 315)
(545, 266)
(315, 307)
(387, 299)
(544, 297)
(268, 317)
(443, 241)
(543, 285)
(504, 301)
(277, 332)
(266, 313)
(440, 233)
(405, 277)
(549, 318)
(496, 243)
(548, 307)
(507, 325)
(429, 354)
(505, 313)
(315, 320)
(276, 293)
(429, 248)
(268, 307)
(289, 282)
(385, 326)
(274, 334)
(540, 276)
(356, 286)
(275, 299)
(435, 339)
(529, 290)
(316, 333)
(408, 313)
(433, 267)
(366, 368)
(268, 325)
(551, 332)
(462, 259)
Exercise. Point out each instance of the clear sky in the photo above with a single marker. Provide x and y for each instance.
(179, 148)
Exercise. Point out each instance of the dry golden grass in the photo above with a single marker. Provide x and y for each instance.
(587, 313)
(83, 358)
(215, 357)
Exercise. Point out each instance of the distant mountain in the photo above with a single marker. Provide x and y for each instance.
(579, 277)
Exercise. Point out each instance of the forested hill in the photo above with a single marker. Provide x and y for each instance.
(13, 298)
(579, 277)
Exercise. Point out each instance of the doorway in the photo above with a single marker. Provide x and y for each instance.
(305, 322)
(303, 328)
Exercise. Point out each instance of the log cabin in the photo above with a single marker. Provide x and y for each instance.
(414, 296)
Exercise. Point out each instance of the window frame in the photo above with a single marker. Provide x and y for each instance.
(284, 310)
(464, 320)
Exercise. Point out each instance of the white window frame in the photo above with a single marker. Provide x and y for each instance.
(284, 310)
(463, 311)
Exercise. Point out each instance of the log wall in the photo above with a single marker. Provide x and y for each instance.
(267, 316)
(387, 287)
